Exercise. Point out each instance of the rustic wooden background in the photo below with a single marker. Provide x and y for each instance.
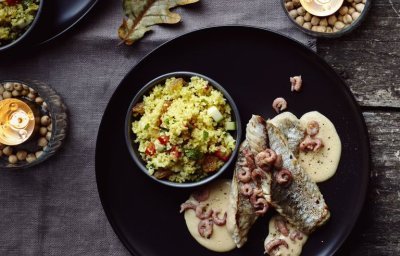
(369, 60)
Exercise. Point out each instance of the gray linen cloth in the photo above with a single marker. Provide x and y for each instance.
(54, 208)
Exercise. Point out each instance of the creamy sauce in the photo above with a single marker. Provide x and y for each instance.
(323, 164)
(294, 246)
(220, 240)
(277, 120)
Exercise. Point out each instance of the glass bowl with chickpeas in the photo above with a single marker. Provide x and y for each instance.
(33, 123)
(326, 18)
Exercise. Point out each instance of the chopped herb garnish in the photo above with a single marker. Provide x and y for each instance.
(146, 126)
(193, 154)
(205, 135)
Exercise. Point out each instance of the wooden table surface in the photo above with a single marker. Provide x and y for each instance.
(369, 61)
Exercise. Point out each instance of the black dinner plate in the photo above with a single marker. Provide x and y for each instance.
(254, 66)
(58, 17)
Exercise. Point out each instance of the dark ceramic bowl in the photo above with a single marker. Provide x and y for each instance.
(26, 35)
(130, 136)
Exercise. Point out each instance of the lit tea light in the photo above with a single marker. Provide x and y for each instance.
(321, 8)
(17, 122)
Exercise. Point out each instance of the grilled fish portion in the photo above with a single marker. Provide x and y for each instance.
(290, 126)
(240, 208)
(247, 198)
(256, 134)
(301, 202)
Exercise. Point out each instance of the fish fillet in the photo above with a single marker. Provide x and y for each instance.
(301, 203)
(291, 128)
(240, 209)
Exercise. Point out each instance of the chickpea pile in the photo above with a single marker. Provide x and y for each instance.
(14, 154)
(347, 14)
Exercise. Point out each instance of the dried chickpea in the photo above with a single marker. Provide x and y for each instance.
(48, 136)
(21, 155)
(9, 87)
(307, 25)
(347, 19)
(7, 151)
(45, 120)
(1, 89)
(31, 96)
(355, 15)
(296, 3)
(17, 86)
(323, 22)
(343, 10)
(24, 92)
(329, 30)
(339, 25)
(289, 6)
(315, 21)
(307, 17)
(314, 28)
(42, 142)
(7, 95)
(301, 11)
(12, 159)
(39, 100)
(293, 14)
(15, 93)
(30, 158)
(300, 20)
(43, 131)
(340, 18)
(321, 29)
(360, 7)
(331, 20)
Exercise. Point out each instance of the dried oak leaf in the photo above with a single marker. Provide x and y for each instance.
(143, 14)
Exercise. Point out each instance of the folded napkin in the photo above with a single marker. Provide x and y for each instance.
(54, 208)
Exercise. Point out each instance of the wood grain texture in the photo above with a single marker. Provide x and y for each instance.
(369, 58)
(369, 61)
(377, 231)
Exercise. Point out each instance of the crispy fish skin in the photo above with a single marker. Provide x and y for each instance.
(256, 134)
(301, 203)
(240, 209)
(290, 126)
(257, 137)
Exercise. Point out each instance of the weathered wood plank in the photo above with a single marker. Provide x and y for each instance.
(369, 58)
(377, 232)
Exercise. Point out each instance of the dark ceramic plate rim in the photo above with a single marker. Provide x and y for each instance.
(66, 29)
(144, 90)
(364, 182)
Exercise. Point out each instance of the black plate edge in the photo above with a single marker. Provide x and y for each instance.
(87, 11)
(347, 90)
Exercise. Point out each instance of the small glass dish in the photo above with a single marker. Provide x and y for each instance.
(334, 34)
(49, 133)
(133, 147)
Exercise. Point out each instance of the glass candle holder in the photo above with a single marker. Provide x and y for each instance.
(33, 123)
